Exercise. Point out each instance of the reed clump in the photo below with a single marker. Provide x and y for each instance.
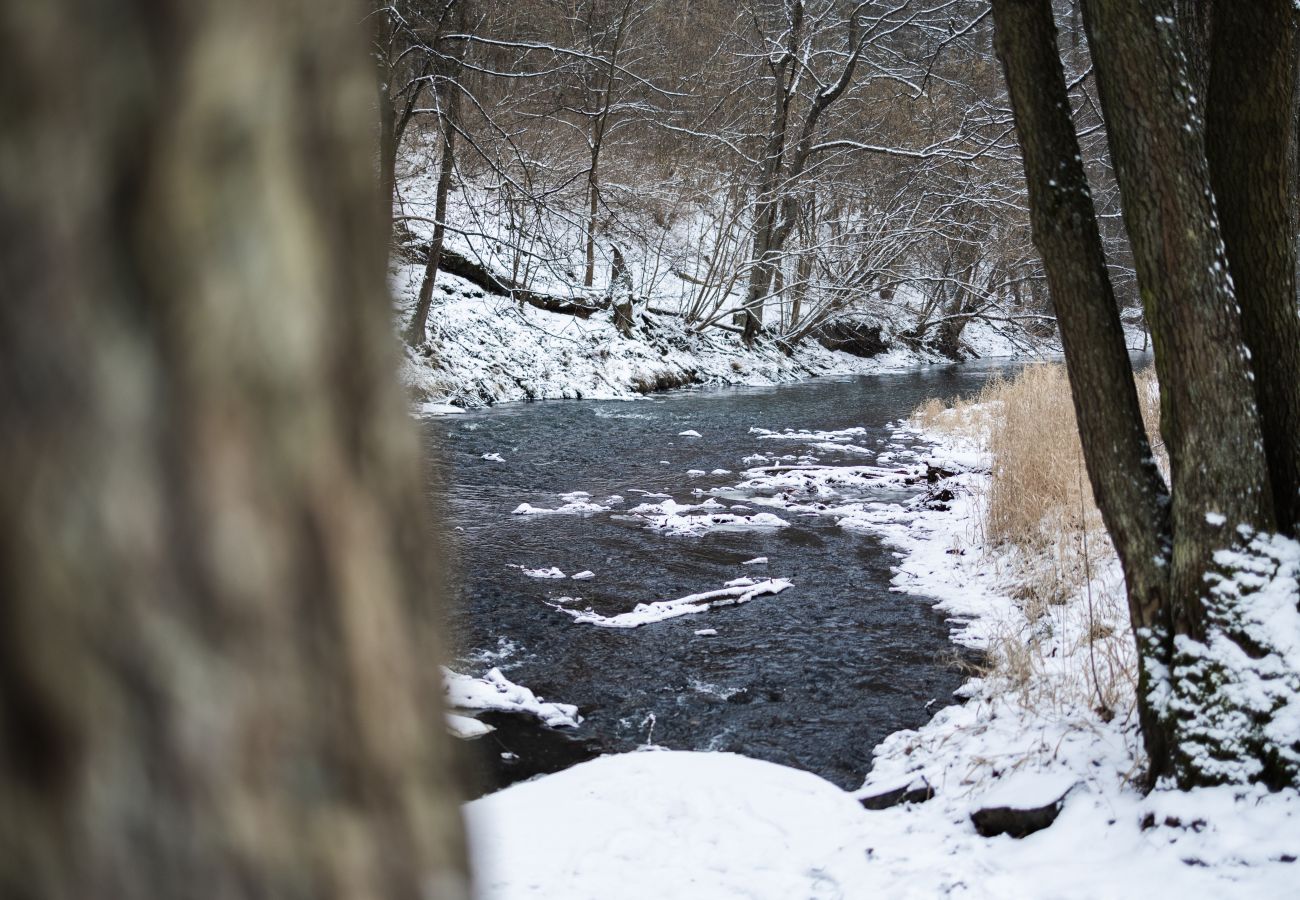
(1043, 532)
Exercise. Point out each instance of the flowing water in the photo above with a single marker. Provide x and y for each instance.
(811, 678)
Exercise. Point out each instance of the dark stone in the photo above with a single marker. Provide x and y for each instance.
(914, 792)
(934, 474)
(857, 338)
(938, 500)
(1018, 823)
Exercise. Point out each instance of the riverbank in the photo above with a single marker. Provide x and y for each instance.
(485, 349)
(1048, 722)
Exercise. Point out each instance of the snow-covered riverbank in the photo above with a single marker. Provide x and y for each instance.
(713, 825)
(486, 349)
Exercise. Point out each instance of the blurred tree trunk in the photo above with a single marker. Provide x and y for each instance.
(218, 581)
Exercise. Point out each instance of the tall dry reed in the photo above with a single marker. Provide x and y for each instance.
(1041, 526)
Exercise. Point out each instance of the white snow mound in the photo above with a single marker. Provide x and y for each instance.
(659, 824)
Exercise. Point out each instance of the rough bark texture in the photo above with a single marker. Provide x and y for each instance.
(1125, 482)
(783, 70)
(1249, 122)
(433, 257)
(218, 628)
(475, 273)
(1208, 414)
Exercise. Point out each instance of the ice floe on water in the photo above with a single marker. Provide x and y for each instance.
(495, 692)
(690, 432)
(660, 610)
(695, 525)
(549, 572)
(492, 457)
(583, 575)
(843, 435)
(504, 650)
(672, 517)
(466, 727)
(572, 508)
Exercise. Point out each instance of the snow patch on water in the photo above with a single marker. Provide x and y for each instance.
(496, 692)
(661, 610)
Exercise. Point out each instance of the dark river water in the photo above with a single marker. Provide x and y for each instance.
(813, 678)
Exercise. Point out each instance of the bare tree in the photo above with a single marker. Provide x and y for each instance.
(1170, 539)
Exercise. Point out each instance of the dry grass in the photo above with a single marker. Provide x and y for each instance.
(1041, 524)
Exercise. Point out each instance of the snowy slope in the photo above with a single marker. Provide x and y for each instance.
(486, 349)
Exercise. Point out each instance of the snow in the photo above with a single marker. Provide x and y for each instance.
(661, 610)
(1026, 790)
(550, 572)
(572, 508)
(496, 692)
(661, 824)
(466, 727)
(486, 349)
(1252, 652)
(695, 525)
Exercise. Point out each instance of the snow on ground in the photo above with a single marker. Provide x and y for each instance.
(713, 825)
(487, 349)
(664, 824)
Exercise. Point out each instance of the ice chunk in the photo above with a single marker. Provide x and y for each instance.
(658, 611)
(496, 692)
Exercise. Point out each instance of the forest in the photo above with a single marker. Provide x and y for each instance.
(795, 170)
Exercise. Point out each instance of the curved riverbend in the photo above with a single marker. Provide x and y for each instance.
(813, 677)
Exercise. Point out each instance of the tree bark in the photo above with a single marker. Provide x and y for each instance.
(1125, 482)
(1249, 123)
(1209, 418)
(449, 94)
(765, 210)
(218, 581)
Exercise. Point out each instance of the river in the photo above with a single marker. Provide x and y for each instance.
(812, 678)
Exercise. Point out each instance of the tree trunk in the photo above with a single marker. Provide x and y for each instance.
(218, 582)
(1249, 122)
(415, 334)
(1208, 413)
(765, 209)
(593, 210)
(1192, 636)
(1128, 489)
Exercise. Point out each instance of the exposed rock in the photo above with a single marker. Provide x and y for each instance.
(857, 338)
(1022, 804)
(934, 474)
(916, 791)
